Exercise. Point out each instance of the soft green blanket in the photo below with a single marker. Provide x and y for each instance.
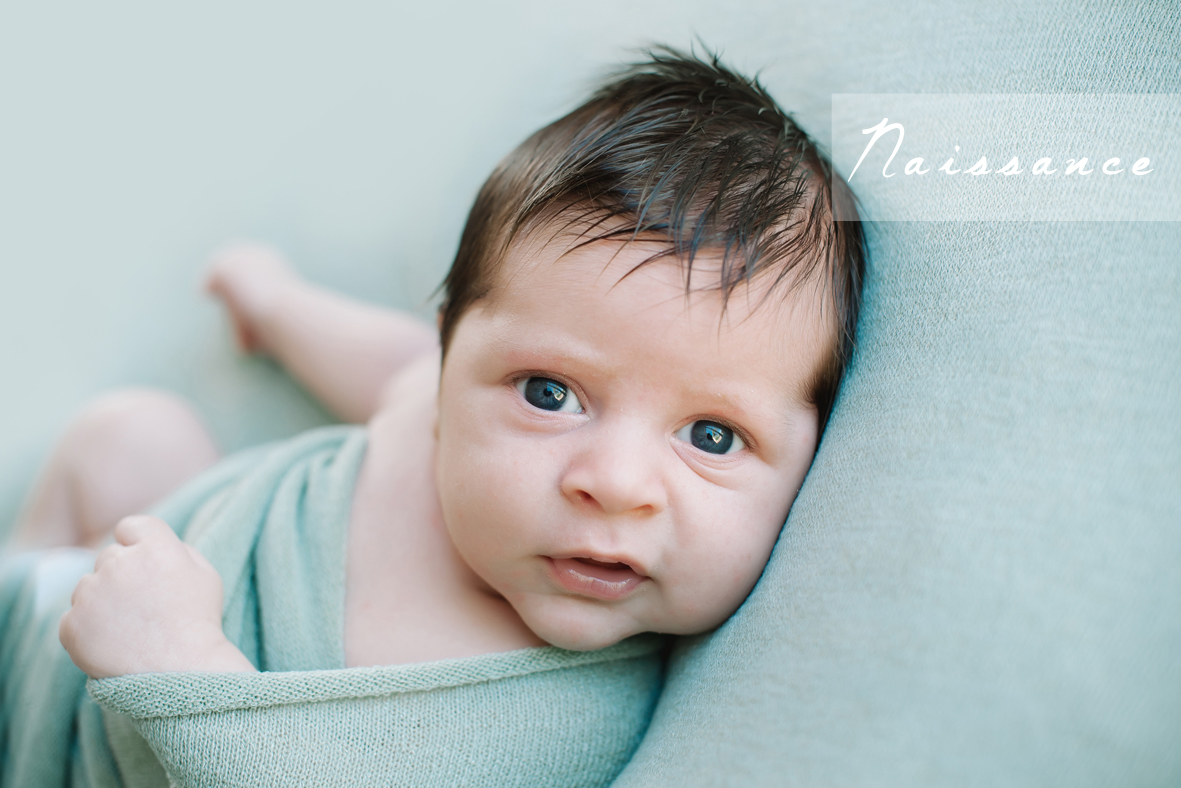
(274, 523)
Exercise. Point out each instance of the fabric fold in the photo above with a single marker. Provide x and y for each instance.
(534, 717)
(274, 521)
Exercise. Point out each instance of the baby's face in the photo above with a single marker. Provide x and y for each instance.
(614, 458)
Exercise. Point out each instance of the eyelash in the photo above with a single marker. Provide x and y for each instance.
(515, 381)
(748, 442)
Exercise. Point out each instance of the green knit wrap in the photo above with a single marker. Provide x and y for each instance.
(274, 522)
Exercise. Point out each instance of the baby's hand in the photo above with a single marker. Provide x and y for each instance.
(249, 279)
(153, 605)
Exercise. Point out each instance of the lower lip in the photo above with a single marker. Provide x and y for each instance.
(597, 582)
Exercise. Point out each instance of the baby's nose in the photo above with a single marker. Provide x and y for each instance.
(617, 475)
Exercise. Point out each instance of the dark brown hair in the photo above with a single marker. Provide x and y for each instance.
(680, 148)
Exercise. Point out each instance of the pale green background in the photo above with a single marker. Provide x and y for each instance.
(978, 584)
(135, 137)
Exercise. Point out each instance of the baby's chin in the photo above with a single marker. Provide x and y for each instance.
(576, 624)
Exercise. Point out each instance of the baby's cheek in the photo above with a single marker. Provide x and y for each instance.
(479, 503)
(712, 584)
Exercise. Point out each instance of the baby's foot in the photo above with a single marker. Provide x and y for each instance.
(249, 279)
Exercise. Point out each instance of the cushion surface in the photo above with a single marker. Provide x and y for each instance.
(978, 584)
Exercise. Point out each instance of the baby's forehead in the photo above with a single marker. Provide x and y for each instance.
(657, 300)
(568, 254)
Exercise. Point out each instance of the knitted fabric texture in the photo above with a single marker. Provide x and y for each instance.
(273, 521)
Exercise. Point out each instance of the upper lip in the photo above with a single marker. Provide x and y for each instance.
(604, 558)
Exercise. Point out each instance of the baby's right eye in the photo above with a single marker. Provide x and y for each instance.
(550, 395)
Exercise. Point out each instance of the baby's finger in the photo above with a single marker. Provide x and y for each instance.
(80, 587)
(197, 558)
(139, 527)
(106, 555)
(65, 630)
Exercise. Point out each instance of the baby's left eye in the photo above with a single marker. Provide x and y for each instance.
(711, 437)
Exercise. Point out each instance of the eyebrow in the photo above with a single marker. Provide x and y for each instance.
(569, 349)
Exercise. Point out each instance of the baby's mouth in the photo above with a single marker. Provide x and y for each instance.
(606, 580)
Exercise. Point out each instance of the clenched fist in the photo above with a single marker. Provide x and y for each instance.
(153, 605)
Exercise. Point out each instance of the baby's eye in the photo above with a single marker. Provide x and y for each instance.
(549, 395)
(711, 437)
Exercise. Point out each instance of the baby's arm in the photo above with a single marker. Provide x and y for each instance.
(153, 605)
(343, 351)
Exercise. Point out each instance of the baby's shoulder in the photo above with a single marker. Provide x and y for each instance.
(398, 468)
(413, 388)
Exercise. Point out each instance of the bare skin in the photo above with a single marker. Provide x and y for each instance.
(120, 455)
(343, 351)
(408, 598)
(358, 360)
(481, 520)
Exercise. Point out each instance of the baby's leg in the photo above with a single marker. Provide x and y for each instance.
(122, 454)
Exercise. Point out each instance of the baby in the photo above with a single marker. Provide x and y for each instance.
(641, 339)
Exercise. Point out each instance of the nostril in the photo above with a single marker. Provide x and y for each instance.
(605, 489)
